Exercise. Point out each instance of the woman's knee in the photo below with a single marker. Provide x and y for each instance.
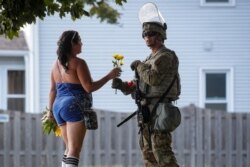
(74, 151)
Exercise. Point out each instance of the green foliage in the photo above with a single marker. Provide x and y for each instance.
(14, 14)
(48, 124)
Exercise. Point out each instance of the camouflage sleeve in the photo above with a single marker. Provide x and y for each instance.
(154, 74)
(128, 87)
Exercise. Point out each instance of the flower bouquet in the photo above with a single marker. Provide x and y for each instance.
(118, 62)
(49, 124)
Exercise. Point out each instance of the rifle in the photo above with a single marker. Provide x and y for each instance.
(142, 112)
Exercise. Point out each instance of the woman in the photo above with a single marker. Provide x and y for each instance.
(71, 82)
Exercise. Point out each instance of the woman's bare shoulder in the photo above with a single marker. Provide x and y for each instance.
(79, 62)
(54, 65)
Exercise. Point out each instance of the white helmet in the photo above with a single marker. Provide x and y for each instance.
(152, 19)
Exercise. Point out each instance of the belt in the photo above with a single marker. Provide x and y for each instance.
(154, 100)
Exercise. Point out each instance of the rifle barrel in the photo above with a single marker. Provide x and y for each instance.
(137, 100)
(126, 119)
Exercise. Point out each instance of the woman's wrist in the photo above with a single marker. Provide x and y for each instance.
(49, 109)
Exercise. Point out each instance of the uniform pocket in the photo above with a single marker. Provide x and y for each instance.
(168, 117)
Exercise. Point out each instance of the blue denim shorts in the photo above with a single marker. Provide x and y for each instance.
(66, 109)
(70, 102)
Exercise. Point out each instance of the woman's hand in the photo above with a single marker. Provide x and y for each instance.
(114, 73)
(50, 115)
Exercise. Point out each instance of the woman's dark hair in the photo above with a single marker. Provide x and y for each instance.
(64, 49)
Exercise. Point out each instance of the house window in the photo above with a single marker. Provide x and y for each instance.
(16, 90)
(13, 84)
(217, 2)
(217, 89)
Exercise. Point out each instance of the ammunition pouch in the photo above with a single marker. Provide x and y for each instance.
(167, 117)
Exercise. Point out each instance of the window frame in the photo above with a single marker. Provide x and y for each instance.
(229, 87)
(230, 3)
(4, 83)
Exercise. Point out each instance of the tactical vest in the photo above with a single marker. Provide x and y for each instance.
(165, 75)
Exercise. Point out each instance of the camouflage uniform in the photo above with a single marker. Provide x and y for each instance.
(156, 73)
(160, 154)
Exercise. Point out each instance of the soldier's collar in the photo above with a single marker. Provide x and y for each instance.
(160, 49)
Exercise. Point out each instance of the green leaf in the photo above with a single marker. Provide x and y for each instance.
(119, 2)
(15, 14)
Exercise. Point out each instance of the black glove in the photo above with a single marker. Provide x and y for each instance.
(134, 64)
(117, 83)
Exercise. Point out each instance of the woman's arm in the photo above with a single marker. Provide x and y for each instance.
(85, 78)
(52, 92)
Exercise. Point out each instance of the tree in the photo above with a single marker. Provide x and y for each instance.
(14, 14)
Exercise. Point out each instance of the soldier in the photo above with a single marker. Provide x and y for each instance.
(156, 73)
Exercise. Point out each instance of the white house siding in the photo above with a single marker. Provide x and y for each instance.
(227, 28)
(190, 27)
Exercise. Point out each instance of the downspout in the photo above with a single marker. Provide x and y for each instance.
(32, 69)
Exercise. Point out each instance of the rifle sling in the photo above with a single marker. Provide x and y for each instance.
(165, 93)
(155, 106)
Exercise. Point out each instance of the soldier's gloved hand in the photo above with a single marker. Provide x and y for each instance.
(134, 64)
(117, 83)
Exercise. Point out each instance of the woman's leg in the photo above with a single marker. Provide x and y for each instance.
(75, 135)
(64, 136)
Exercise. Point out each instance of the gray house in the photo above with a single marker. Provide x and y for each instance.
(210, 37)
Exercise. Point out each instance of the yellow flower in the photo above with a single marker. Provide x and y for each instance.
(57, 131)
(115, 55)
(119, 57)
(118, 62)
(49, 123)
(121, 63)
